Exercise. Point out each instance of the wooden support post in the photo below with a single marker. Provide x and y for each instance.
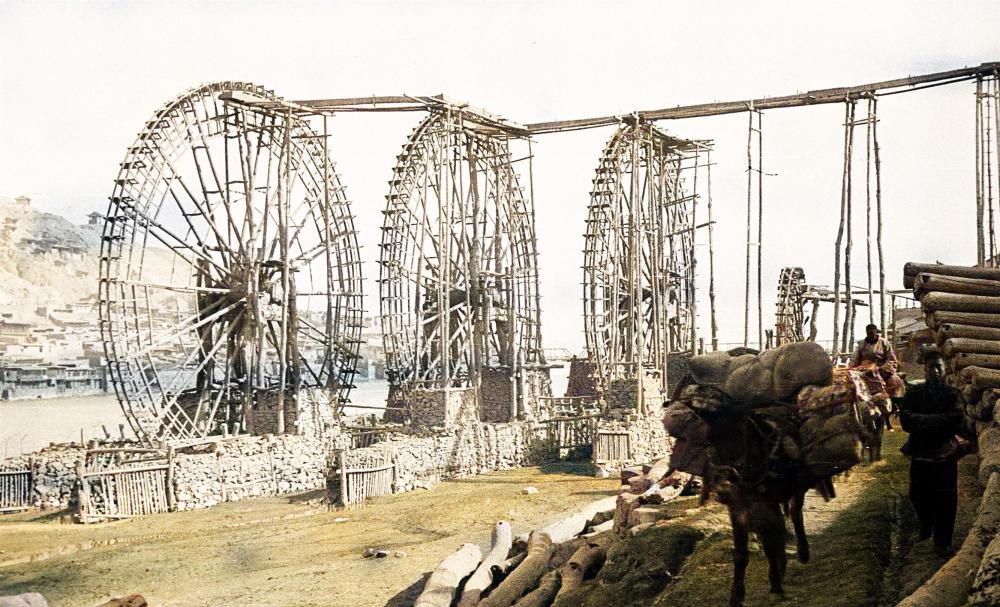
(980, 215)
(848, 293)
(711, 258)
(169, 481)
(760, 227)
(342, 460)
(878, 214)
(84, 492)
(835, 350)
(746, 299)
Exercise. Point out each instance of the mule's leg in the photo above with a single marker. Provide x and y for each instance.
(877, 447)
(798, 524)
(739, 518)
(769, 525)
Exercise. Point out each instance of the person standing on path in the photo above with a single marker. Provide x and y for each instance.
(930, 413)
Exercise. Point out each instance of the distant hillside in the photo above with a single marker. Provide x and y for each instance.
(45, 260)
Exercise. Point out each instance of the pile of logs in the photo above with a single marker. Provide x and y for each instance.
(962, 308)
(536, 569)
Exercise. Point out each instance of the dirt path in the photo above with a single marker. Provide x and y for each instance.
(864, 548)
(278, 551)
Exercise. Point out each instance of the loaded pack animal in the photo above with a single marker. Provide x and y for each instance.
(743, 469)
(751, 459)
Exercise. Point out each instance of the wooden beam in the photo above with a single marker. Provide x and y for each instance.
(816, 97)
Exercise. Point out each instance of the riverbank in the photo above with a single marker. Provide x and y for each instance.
(279, 551)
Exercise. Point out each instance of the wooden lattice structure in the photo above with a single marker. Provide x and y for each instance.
(229, 269)
(458, 261)
(789, 316)
(639, 266)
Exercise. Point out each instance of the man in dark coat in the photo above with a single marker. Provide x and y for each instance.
(931, 414)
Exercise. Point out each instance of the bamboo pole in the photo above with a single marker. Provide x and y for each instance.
(840, 235)
(284, 191)
(849, 311)
(746, 299)
(868, 212)
(760, 229)
(694, 240)
(878, 214)
(996, 140)
(980, 235)
(711, 257)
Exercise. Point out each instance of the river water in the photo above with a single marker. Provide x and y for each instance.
(29, 425)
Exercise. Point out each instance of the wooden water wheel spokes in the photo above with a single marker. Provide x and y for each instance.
(790, 306)
(229, 266)
(458, 265)
(638, 284)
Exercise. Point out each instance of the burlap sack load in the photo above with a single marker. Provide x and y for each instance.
(690, 433)
(712, 369)
(778, 374)
(830, 434)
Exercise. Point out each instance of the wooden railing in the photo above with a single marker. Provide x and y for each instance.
(15, 490)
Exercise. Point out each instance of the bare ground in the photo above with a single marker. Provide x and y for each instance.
(279, 551)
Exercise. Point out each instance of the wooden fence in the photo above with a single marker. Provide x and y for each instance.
(354, 486)
(612, 446)
(16, 488)
(122, 483)
(573, 431)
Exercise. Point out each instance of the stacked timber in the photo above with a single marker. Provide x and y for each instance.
(962, 308)
(541, 568)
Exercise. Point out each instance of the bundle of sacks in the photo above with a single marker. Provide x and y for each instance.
(813, 412)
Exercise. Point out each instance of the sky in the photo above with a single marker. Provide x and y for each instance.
(79, 79)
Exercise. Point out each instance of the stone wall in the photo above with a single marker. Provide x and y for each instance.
(252, 466)
(582, 378)
(442, 407)
(495, 395)
(53, 473)
(537, 384)
(622, 393)
(311, 411)
(467, 449)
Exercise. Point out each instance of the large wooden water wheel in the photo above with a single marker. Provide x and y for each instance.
(229, 265)
(638, 275)
(790, 307)
(458, 263)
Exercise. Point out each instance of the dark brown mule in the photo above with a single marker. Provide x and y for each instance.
(748, 469)
(758, 488)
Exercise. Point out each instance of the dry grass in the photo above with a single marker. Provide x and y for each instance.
(278, 551)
